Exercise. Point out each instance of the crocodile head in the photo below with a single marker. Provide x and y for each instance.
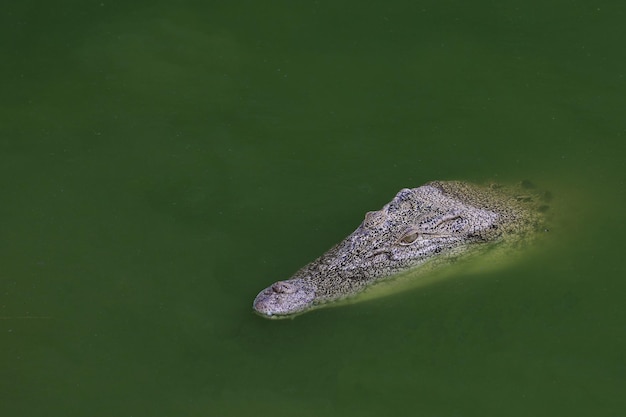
(418, 225)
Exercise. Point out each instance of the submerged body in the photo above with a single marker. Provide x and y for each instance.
(441, 219)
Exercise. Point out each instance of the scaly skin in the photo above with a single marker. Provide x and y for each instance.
(437, 220)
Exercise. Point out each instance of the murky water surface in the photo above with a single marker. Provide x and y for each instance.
(160, 164)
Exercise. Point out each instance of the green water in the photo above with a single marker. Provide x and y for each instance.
(160, 164)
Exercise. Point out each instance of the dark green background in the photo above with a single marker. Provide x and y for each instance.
(160, 164)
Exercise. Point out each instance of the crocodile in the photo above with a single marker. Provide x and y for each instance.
(439, 220)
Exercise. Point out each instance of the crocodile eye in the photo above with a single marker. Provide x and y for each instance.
(409, 237)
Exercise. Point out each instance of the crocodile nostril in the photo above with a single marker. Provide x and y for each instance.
(283, 287)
